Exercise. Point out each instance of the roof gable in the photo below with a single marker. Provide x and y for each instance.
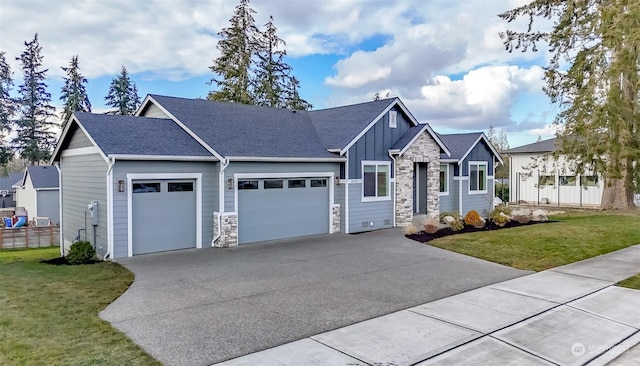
(536, 147)
(7, 183)
(42, 176)
(461, 144)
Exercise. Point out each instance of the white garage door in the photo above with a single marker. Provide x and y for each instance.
(164, 215)
(282, 208)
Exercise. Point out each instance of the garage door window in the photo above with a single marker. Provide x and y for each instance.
(318, 183)
(146, 187)
(297, 183)
(180, 187)
(273, 183)
(247, 184)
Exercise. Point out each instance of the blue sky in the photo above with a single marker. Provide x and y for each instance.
(444, 59)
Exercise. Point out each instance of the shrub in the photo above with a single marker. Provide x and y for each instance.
(431, 226)
(473, 218)
(453, 214)
(81, 252)
(499, 218)
(456, 224)
(410, 229)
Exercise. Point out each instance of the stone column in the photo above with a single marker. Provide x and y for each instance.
(227, 231)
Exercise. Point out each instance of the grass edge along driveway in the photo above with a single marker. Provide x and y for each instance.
(49, 314)
(574, 237)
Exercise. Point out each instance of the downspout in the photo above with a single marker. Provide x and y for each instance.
(57, 165)
(112, 162)
(460, 188)
(221, 187)
(346, 193)
(395, 188)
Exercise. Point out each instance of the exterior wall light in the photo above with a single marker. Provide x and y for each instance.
(121, 185)
(230, 183)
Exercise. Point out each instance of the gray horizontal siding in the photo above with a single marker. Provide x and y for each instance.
(78, 140)
(376, 211)
(482, 203)
(252, 167)
(209, 172)
(84, 180)
(153, 111)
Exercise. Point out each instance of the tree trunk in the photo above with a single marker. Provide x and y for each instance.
(618, 192)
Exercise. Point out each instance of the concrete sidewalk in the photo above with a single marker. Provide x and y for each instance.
(569, 315)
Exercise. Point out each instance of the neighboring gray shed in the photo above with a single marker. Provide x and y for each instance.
(38, 192)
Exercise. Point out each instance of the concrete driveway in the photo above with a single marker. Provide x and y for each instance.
(198, 307)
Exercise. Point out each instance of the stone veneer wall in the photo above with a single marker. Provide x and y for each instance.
(335, 218)
(423, 150)
(229, 232)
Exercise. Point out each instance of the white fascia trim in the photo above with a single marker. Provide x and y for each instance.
(64, 135)
(283, 159)
(80, 151)
(329, 175)
(150, 99)
(46, 189)
(493, 150)
(334, 150)
(162, 157)
(373, 122)
(132, 177)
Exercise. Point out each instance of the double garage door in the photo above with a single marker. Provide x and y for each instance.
(164, 215)
(276, 208)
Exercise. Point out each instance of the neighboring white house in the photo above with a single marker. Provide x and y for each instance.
(38, 192)
(550, 181)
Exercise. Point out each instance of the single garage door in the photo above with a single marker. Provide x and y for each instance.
(282, 208)
(164, 215)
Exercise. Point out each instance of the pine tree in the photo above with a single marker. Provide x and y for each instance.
(35, 138)
(123, 95)
(292, 98)
(233, 66)
(272, 73)
(73, 94)
(7, 108)
(599, 93)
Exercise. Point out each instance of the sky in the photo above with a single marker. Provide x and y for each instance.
(443, 58)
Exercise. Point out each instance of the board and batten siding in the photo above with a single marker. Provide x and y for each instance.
(152, 111)
(376, 142)
(267, 168)
(121, 168)
(480, 152)
(84, 179)
(78, 140)
(362, 214)
(524, 178)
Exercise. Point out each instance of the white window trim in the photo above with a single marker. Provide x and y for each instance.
(163, 176)
(446, 177)
(486, 184)
(376, 198)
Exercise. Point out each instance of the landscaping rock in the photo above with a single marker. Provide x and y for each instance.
(539, 215)
(448, 220)
(520, 212)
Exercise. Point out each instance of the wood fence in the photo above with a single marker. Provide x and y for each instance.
(29, 237)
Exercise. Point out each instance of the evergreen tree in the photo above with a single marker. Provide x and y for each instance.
(7, 108)
(35, 138)
(292, 99)
(233, 66)
(123, 95)
(73, 94)
(599, 93)
(272, 73)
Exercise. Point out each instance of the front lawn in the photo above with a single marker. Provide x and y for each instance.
(631, 282)
(49, 314)
(576, 236)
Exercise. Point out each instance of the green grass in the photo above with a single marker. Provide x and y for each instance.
(49, 314)
(576, 236)
(631, 282)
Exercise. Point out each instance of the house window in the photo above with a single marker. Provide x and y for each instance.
(375, 181)
(444, 178)
(589, 180)
(547, 180)
(272, 183)
(567, 180)
(393, 119)
(477, 178)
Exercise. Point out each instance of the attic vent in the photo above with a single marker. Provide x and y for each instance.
(393, 121)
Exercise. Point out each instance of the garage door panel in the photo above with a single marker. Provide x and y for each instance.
(163, 220)
(267, 214)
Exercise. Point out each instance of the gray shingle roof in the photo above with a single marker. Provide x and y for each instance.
(337, 126)
(408, 136)
(458, 144)
(128, 135)
(536, 147)
(234, 129)
(43, 176)
(7, 183)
